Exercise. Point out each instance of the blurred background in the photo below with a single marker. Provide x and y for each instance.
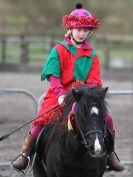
(28, 31)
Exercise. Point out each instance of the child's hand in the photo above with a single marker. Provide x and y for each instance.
(61, 99)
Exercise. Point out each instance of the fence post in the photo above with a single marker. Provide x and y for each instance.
(24, 56)
(3, 50)
(107, 56)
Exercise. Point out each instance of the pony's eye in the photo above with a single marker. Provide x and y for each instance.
(94, 110)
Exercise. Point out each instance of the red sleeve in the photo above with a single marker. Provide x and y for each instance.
(94, 77)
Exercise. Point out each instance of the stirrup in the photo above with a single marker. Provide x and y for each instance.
(26, 169)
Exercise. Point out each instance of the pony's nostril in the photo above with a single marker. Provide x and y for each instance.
(103, 149)
(92, 149)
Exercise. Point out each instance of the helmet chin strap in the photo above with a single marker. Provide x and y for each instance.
(78, 43)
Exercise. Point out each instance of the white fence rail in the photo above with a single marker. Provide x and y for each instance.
(121, 92)
(20, 91)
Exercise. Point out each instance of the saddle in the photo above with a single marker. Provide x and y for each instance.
(41, 142)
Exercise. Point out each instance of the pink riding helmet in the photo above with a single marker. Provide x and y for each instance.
(80, 18)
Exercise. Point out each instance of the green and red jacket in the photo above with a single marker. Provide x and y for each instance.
(70, 63)
(74, 66)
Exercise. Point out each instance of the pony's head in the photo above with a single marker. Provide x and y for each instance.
(88, 120)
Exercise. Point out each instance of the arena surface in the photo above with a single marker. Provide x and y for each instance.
(17, 109)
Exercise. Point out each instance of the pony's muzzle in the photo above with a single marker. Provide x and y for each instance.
(97, 152)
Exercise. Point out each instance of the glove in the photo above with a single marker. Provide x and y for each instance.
(61, 99)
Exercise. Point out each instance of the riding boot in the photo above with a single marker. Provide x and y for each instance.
(22, 161)
(113, 161)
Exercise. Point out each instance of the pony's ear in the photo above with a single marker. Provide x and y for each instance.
(77, 94)
(104, 92)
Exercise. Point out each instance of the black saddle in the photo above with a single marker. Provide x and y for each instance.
(41, 141)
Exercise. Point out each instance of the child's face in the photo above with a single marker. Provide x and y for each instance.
(80, 34)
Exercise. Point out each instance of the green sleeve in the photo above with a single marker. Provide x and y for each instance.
(52, 65)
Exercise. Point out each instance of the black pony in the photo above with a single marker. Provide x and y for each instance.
(78, 145)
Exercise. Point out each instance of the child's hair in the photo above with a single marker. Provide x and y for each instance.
(68, 34)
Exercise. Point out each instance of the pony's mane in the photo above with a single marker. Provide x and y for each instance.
(98, 95)
(93, 92)
(90, 97)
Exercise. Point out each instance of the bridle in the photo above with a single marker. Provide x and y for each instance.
(83, 140)
(83, 137)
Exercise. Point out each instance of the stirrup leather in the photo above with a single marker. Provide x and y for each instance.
(26, 169)
(116, 155)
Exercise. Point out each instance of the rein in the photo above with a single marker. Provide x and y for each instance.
(7, 135)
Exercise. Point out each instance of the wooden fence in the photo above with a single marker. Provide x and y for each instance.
(24, 51)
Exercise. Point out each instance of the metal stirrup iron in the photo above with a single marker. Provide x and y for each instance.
(23, 171)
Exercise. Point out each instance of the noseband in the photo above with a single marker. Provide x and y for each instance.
(84, 136)
(94, 131)
(84, 142)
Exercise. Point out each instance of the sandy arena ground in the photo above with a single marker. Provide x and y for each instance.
(17, 109)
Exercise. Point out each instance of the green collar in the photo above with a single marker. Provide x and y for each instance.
(70, 48)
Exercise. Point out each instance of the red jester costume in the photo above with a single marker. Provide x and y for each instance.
(74, 66)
